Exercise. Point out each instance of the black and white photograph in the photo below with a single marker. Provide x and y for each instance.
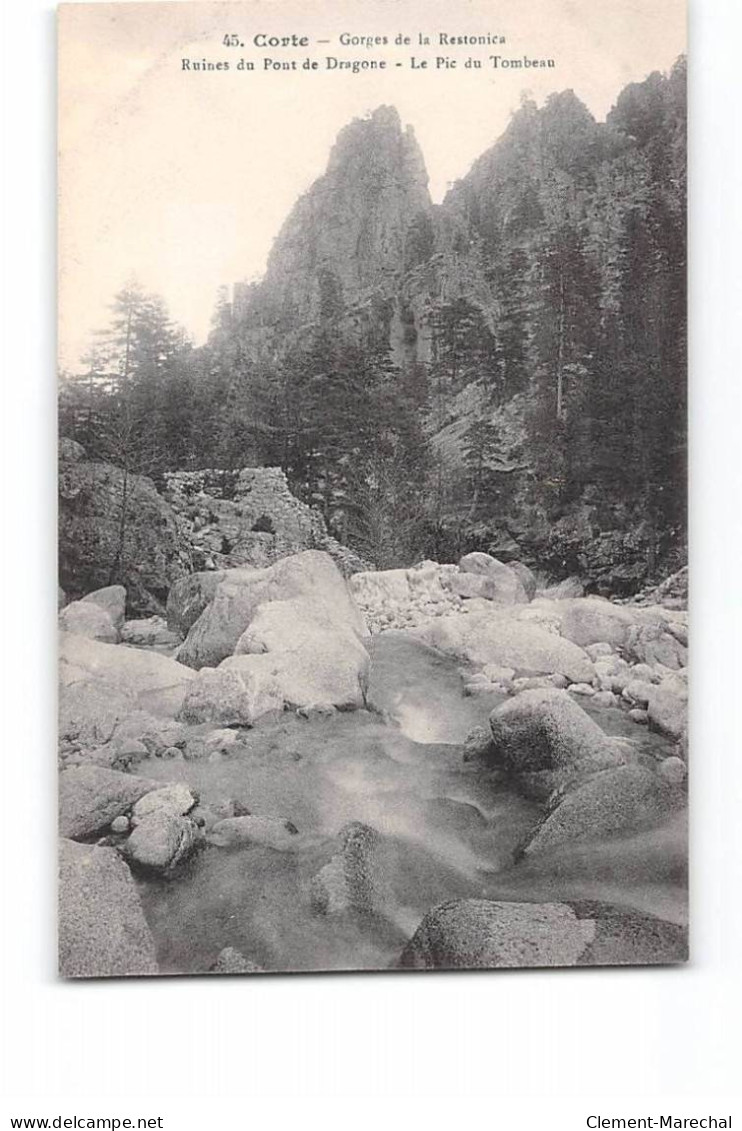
(373, 556)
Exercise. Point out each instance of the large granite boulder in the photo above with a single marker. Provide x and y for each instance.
(311, 577)
(331, 671)
(618, 801)
(504, 585)
(494, 637)
(102, 929)
(484, 934)
(89, 620)
(545, 740)
(89, 671)
(230, 697)
(90, 797)
(115, 526)
(588, 621)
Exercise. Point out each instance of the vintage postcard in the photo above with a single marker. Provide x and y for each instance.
(372, 485)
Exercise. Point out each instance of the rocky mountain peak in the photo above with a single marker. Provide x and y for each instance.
(346, 237)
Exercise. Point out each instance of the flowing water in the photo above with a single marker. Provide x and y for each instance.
(448, 830)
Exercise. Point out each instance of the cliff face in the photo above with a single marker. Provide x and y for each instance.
(348, 238)
(535, 320)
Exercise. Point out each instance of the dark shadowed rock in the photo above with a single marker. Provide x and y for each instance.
(92, 552)
(102, 930)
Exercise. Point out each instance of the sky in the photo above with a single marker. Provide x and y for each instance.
(183, 179)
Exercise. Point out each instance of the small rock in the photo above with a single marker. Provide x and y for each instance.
(495, 673)
(582, 689)
(605, 699)
(175, 798)
(602, 648)
(232, 961)
(120, 824)
(478, 744)
(638, 715)
(271, 832)
(673, 769)
(161, 841)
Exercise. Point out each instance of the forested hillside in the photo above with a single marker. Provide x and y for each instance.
(504, 371)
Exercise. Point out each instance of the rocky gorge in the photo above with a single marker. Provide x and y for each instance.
(438, 767)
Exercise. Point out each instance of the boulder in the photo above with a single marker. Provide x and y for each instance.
(588, 620)
(189, 596)
(227, 697)
(311, 576)
(506, 587)
(638, 692)
(149, 632)
(651, 643)
(330, 670)
(497, 638)
(90, 797)
(527, 578)
(548, 731)
(673, 769)
(175, 798)
(155, 732)
(484, 934)
(232, 961)
(349, 881)
(667, 711)
(161, 841)
(271, 832)
(146, 553)
(375, 589)
(88, 620)
(90, 711)
(112, 598)
(624, 937)
(102, 929)
(152, 683)
(472, 586)
(619, 801)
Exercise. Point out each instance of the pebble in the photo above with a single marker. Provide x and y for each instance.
(581, 689)
(120, 825)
